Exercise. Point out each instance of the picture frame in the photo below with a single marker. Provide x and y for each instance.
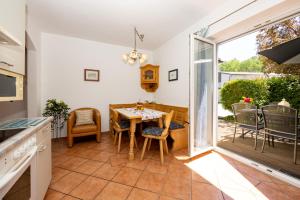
(173, 75)
(91, 75)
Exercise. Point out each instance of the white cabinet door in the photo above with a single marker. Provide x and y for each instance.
(44, 163)
(12, 21)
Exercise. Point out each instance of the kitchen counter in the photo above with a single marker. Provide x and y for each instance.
(13, 141)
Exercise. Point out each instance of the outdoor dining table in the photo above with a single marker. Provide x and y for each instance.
(137, 116)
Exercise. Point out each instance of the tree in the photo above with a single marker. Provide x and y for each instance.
(274, 35)
(252, 64)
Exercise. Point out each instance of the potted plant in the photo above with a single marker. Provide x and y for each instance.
(59, 110)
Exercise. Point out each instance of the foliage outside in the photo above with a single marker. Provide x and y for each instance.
(274, 35)
(288, 88)
(252, 64)
(56, 108)
(263, 91)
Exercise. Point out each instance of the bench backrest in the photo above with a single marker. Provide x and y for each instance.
(180, 115)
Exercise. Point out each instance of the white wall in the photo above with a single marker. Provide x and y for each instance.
(63, 60)
(33, 40)
(175, 52)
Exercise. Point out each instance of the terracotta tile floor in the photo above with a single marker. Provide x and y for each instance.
(93, 170)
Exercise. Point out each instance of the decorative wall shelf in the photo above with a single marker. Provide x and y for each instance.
(150, 77)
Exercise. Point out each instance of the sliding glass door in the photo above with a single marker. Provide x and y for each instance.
(202, 63)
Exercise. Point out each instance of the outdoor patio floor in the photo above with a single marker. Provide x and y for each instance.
(279, 157)
(93, 170)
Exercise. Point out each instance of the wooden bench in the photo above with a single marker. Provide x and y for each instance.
(179, 136)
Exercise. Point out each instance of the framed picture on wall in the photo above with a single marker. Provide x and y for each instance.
(173, 75)
(91, 75)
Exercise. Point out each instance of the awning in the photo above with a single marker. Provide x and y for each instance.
(286, 52)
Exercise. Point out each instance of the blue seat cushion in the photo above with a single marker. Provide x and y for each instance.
(156, 131)
(174, 125)
(124, 124)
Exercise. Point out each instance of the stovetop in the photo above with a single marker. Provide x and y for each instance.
(13, 127)
(5, 134)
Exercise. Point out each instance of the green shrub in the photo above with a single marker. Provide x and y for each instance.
(233, 91)
(263, 91)
(285, 87)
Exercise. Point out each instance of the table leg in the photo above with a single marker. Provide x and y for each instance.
(132, 135)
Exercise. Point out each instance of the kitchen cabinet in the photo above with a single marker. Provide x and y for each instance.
(12, 26)
(149, 77)
(43, 162)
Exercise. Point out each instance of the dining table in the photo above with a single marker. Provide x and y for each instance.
(136, 116)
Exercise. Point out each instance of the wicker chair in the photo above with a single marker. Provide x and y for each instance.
(246, 117)
(119, 126)
(160, 134)
(281, 122)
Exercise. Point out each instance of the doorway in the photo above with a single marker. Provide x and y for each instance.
(202, 64)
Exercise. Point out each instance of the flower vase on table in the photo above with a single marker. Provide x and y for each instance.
(247, 101)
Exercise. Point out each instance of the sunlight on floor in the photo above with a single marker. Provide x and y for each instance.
(225, 177)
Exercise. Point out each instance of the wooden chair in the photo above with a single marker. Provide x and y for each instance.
(160, 134)
(119, 126)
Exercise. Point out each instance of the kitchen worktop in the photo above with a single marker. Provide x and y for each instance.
(27, 131)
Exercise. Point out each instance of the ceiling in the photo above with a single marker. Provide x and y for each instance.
(112, 21)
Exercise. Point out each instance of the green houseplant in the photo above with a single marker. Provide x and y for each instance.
(59, 110)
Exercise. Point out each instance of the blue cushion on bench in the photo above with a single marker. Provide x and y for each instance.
(174, 125)
(156, 131)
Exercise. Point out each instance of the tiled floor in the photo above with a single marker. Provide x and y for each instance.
(93, 170)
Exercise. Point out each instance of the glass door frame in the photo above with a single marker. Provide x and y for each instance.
(192, 96)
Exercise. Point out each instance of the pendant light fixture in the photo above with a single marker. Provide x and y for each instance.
(131, 57)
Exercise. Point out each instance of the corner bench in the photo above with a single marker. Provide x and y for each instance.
(179, 129)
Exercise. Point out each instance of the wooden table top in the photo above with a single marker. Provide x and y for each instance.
(146, 114)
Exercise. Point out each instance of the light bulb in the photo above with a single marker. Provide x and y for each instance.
(144, 56)
(142, 60)
(130, 61)
(125, 58)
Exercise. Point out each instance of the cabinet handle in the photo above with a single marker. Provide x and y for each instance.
(6, 63)
(42, 148)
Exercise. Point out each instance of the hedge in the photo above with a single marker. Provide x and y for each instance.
(233, 91)
(287, 87)
(263, 91)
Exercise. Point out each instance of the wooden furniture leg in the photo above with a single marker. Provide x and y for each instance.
(161, 148)
(132, 132)
(166, 146)
(70, 141)
(98, 137)
(144, 148)
(149, 144)
(116, 137)
(119, 144)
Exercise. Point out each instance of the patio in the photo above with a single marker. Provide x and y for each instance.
(279, 157)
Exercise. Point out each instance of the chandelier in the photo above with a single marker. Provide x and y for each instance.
(131, 57)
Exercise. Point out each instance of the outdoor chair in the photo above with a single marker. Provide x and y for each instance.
(246, 117)
(281, 122)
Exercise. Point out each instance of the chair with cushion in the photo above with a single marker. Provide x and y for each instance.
(119, 126)
(84, 122)
(281, 122)
(246, 117)
(160, 134)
